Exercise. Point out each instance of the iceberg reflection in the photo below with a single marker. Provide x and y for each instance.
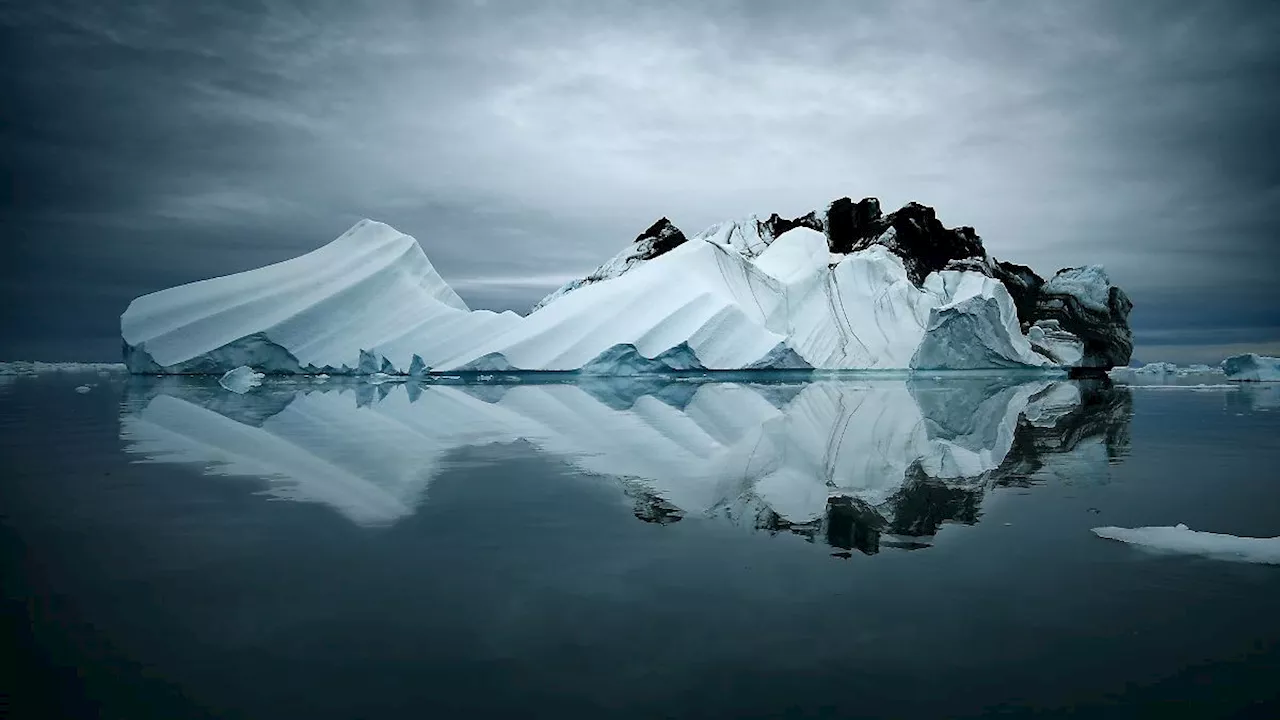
(855, 464)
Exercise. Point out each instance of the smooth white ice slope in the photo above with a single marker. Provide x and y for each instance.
(1181, 539)
(371, 289)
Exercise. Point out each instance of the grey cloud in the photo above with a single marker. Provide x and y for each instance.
(158, 142)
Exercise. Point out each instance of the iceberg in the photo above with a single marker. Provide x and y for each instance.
(1181, 539)
(1252, 367)
(845, 288)
(850, 463)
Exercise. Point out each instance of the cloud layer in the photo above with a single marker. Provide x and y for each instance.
(160, 142)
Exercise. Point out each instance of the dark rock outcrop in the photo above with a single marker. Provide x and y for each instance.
(662, 237)
(1108, 341)
(1024, 285)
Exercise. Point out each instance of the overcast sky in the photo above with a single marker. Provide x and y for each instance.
(147, 144)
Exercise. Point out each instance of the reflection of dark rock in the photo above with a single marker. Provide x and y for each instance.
(1105, 410)
(651, 508)
(852, 525)
(924, 504)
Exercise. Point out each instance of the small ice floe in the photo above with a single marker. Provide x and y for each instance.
(82, 389)
(241, 380)
(1182, 539)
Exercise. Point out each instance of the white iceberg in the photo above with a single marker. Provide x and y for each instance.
(742, 295)
(1181, 539)
(371, 293)
(1252, 367)
(241, 380)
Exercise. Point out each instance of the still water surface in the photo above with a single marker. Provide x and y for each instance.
(655, 548)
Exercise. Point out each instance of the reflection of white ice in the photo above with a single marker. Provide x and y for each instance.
(725, 445)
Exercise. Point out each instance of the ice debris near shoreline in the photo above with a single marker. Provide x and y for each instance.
(1181, 539)
(843, 288)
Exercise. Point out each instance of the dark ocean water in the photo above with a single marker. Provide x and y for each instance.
(656, 548)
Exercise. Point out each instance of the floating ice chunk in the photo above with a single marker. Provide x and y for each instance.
(1181, 539)
(241, 380)
(82, 389)
(1252, 367)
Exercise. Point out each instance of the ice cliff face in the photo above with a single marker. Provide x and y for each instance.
(845, 288)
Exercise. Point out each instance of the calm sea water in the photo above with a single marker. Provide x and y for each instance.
(856, 547)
